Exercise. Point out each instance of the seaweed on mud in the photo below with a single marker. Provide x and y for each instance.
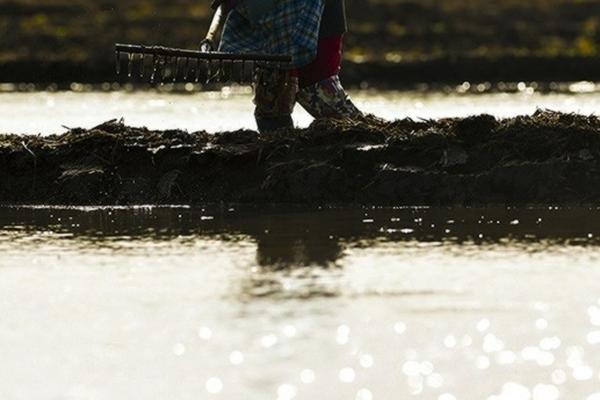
(547, 157)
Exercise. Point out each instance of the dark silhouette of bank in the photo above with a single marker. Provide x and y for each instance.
(546, 158)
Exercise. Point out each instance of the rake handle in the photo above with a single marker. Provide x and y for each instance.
(215, 25)
(214, 55)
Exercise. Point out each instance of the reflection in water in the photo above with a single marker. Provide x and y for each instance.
(303, 238)
(355, 303)
(297, 247)
(293, 257)
(298, 253)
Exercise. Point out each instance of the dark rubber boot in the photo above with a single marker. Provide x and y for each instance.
(270, 124)
(274, 97)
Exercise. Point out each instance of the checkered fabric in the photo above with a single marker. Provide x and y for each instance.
(291, 27)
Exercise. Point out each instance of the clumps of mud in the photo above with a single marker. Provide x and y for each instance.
(545, 158)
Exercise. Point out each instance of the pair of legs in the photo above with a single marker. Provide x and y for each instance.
(315, 86)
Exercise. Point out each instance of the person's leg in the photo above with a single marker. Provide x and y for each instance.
(274, 97)
(321, 92)
(328, 99)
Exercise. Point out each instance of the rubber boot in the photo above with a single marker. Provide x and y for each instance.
(274, 98)
(269, 124)
(328, 99)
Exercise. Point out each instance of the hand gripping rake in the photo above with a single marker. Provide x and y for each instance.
(160, 64)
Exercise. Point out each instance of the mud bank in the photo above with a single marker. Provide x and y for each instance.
(547, 158)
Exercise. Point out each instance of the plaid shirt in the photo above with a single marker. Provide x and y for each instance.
(291, 27)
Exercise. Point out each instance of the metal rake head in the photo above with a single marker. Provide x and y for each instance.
(159, 64)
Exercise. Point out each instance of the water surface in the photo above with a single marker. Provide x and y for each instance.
(231, 109)
(350, 303)
(228, 303)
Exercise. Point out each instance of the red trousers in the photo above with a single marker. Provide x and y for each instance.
(326, 65)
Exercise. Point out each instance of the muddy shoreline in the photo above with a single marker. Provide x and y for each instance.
(548, 158)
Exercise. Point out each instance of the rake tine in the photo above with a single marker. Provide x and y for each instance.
(186, 69)
(130, 59)
(220, 71)
(229, 71)
(164, 70)
(171, 68)
(208, 71)
(142, 65)
(154, 68)
(197, 77)
(167, 69)
(247, 75)
(217, 74)
(159, 69)
(176, 69)
(118, 62)
(214, 74)
(255, 68)
(242, 65)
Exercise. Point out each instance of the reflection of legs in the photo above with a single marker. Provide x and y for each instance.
(328, 99)
(275, 96)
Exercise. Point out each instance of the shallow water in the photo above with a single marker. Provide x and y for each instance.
(231, 109)
(227, 303)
